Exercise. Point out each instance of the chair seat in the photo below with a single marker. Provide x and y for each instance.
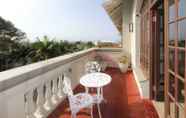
(81, 100)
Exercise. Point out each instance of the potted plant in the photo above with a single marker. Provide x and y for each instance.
(123, 63)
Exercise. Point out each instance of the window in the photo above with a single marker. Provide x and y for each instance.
(176, 35)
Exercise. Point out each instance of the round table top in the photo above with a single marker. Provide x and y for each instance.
(96, 79)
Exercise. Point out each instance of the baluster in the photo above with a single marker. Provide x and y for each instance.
(40, 111)
(29, 105)
(27, 114)
(55, 98)
(60, 87)
(48, 94)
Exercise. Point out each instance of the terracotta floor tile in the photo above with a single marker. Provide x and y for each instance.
(123, 100)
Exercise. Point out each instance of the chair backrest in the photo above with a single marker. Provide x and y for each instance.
(67, 89)
(92, 66)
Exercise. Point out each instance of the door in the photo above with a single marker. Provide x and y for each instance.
(157, 44)
(175, 37)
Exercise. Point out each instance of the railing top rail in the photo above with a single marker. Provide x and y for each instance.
(109, 49)
(15, 76)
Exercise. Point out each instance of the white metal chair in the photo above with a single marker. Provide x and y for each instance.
(78, 101)
(92, 66)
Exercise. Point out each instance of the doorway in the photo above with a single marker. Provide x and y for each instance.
(157, 51)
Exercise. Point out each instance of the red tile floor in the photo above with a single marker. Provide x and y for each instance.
(123, 100)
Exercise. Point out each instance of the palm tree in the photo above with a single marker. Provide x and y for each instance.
(42, 49)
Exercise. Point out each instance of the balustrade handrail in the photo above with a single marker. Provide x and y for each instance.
(15, 76)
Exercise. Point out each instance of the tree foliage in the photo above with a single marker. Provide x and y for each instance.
(44, 48)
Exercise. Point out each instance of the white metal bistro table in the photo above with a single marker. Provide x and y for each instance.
(96, 80)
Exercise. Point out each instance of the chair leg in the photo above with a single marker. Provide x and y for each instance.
(86, 90)
(101, 91)
(91, 111)
(73, 115)
(99, 110)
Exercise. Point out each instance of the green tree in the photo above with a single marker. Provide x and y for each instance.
(9, 35)
(42, 49)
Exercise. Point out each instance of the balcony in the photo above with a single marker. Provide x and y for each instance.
(152, 34)
(37, 88)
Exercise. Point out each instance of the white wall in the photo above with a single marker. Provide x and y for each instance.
(131, 42)
(127, 19)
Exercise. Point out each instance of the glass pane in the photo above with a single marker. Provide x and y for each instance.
(161, 68)
(181, 112)
(181, 92)
(181, 63)
(171, 84)
(172, 34)
(172, 10)
(181, 33)
(182, 8)
(171, 58)
(161, 53)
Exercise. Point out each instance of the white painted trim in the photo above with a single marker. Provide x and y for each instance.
(138, 83)
(142, 82)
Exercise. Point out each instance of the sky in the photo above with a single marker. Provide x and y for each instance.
(71, 20)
